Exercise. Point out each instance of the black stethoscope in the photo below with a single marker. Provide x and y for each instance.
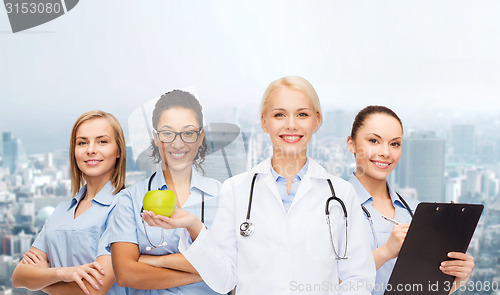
(247, 228)
(162, 243)
(368, 215)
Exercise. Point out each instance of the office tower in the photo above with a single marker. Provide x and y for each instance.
(131, 165)
(422, 166)
(9, 151)
(226, 151)
(463, 140)
(336, 124)
(14, 156)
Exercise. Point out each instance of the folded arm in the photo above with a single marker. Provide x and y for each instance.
(175, 261)
(34, 273)
(132, 273)
(108, 279)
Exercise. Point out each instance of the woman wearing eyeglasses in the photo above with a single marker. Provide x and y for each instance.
(375, 141)
(146, 259)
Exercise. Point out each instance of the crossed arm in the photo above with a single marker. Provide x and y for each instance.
(147, 272)
(34, 273)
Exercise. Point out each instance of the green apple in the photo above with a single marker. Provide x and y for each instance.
(160, 202)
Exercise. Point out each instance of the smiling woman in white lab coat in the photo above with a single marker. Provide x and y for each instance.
(291, 248)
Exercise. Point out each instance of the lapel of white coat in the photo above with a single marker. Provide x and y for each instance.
(264, 170)
(314, 171)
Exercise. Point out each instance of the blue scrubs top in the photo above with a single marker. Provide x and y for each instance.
(126, 223)
(70, 241)
(382, 227)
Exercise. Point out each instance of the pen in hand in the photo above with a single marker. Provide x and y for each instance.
(391, 220)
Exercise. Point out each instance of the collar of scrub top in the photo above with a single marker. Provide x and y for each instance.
(103, 197)
(198, 182)
(365, 198)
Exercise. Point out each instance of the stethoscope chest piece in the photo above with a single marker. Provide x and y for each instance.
(246, 229)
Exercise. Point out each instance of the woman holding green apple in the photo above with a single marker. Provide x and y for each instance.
(146, 259)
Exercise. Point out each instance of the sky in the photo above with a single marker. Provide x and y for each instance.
(421, 58)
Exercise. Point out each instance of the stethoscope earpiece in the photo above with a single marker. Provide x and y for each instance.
(246, 229)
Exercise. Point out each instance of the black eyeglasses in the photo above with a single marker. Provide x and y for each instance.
(188, 136)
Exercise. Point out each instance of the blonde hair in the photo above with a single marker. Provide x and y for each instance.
(119, 173)
(296, 83)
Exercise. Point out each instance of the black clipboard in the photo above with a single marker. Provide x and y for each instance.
(436, 229)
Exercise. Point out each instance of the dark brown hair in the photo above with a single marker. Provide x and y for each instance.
(179, 99)
(368, 111)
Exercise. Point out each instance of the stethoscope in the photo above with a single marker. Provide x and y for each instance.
(162, 242)
(368, 215)
(247, 228)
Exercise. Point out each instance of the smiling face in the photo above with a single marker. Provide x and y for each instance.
(376, 147)
(96, 149)
(178, 155)
(290, 119)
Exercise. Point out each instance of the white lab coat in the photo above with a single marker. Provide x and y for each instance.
(289, 253)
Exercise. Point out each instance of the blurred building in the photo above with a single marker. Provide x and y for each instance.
(463, 140)
(422, 166)
(14, 156)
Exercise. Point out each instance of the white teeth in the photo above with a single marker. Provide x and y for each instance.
(291, 137)
(381, 164)
(178, 155)
(93, 162)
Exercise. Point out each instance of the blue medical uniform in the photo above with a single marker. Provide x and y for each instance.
(127, 226)
(382, 227)
(70, 241)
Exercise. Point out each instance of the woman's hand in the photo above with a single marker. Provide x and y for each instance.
(460, 267)
(179, 219)
(92, 272)
(396, 239)
(31, 257)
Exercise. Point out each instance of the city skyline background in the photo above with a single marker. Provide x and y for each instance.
(435, 63)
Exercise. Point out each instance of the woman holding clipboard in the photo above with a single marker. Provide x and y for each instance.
(375, 141)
